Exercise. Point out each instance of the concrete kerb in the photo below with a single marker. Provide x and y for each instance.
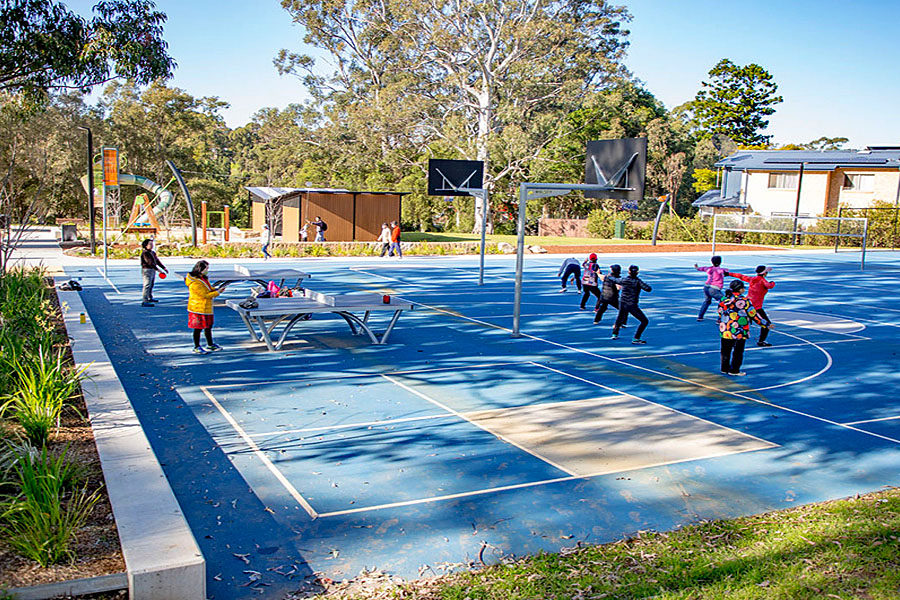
(162, 558)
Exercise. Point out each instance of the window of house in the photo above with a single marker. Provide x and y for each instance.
(859, 183)
(784, 181)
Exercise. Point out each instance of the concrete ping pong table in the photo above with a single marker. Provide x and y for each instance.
(294, 309)
(223, 277)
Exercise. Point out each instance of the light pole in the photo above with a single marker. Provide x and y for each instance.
(90, 174)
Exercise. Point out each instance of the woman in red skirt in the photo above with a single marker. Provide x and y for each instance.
(200, 306)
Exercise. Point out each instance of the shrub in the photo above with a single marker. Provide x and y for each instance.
(601, 222)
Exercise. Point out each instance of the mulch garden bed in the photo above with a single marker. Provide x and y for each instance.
(96, 548)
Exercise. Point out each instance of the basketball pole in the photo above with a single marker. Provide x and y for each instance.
(481, 194)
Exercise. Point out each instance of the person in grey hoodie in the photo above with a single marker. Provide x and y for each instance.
(570, 268)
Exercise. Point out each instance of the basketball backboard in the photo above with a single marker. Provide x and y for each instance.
(619, 165)
(446, 177)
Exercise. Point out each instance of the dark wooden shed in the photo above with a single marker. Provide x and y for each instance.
(351, 216)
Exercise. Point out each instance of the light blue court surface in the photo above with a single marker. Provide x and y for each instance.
(456, 442)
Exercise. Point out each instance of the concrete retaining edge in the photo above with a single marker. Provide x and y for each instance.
(73, 587)
(162, 558)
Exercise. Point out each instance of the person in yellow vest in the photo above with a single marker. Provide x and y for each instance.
(200, 306)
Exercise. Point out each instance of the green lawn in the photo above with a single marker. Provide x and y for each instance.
(841, 549)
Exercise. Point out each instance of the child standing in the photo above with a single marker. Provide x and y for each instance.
(759, 287)
(712, 289)
(735, 314)
(569, 268)
(628, 303)
(200, 306)
(590, 278)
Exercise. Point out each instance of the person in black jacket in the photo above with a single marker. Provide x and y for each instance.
(150, 264)
(609, 294)
(628, 302)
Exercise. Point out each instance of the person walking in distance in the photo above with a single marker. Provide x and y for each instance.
(628, 302)
(200, 306)
(150, 265)
(395, 239)
(590, 278)
(266, 240)
(321, 228)
(385, 239)
(735, 313)
(712, 289)
(569, 268)
(759, 287)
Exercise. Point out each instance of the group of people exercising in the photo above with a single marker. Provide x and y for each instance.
(735, 310)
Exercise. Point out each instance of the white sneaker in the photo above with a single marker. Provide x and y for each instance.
(562, 291)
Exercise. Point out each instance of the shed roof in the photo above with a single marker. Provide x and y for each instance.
(714, 199)
(790, 160)
(270, 193)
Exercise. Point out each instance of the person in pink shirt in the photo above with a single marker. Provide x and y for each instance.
(712, 289)
(759, 287)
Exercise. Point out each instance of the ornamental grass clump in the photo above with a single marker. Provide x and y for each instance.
(41, 519)
(43, 385)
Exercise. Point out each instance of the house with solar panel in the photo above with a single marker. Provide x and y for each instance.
(803, 182)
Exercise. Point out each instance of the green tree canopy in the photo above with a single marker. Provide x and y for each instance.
(44, 46)
(481, 80)
(736, 101)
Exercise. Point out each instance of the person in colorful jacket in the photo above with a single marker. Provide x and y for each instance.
(759, 287)
(712, 289)
(631, 287)
(200, 306)
(590, 279)
(735, 313)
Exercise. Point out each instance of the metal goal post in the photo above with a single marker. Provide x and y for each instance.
(835, 227)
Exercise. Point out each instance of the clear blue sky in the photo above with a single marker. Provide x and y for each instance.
(835, 63)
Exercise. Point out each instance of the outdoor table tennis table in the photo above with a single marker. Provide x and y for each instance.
(223, 277)
(291, 310)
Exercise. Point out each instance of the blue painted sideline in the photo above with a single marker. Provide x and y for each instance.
(162, 558)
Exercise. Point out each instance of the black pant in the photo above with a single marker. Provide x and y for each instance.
(588, 290)
(384, 248)
(763, 331)
(638, 314)
(572, 270)
(601, 307)
(732, 355)
(208, 332)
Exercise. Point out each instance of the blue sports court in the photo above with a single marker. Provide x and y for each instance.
(456, 443)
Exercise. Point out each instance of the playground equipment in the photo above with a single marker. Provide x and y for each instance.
(143, 214)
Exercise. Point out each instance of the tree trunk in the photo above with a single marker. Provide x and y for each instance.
(483, 154)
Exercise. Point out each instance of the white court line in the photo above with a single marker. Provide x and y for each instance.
(262, 457)
(697, 383)
(367, 375)
(861, 319)
(479, 426)
(873, 420)
(351, 425)
(519, 486)
(755, 348)
(99, 270)
(669, 408)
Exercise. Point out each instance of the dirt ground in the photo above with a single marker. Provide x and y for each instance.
(96, 547)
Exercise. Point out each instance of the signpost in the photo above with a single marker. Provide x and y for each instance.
(110, 181)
